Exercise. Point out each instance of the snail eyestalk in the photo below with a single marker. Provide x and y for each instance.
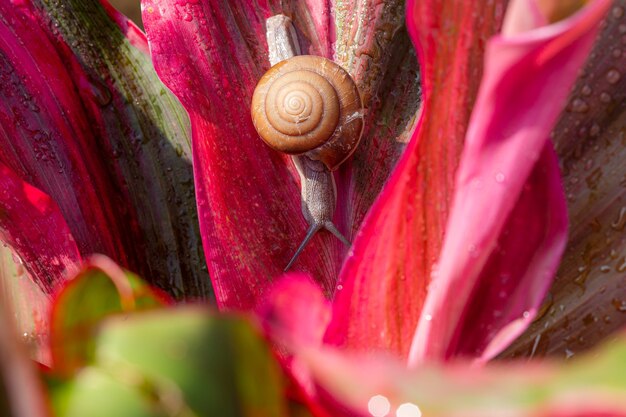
(305, 106)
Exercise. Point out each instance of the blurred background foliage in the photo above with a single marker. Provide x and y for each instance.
(130, 8)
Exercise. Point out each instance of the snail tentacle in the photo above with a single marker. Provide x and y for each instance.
(313, 229)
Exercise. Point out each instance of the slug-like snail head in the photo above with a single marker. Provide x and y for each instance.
(309, 105)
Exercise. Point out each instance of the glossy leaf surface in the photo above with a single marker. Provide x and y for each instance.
(99, 134)
(248, 195)
(494, 272)
(587, 301)
(393, 255)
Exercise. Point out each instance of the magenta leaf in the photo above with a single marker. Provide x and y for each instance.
(31, 222)
(99, 134)
(35, 144)
(378, 282)
(515, 248)
(587, 301)
(251, 217)
(211, 54)
(383, 283)
(512, 244)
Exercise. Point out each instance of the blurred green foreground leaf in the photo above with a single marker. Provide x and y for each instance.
(182, 362)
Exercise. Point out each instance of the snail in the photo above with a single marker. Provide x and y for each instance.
(309, 107)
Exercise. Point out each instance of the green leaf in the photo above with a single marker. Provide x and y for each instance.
(94, 392)
(102, 289)
(182, 362)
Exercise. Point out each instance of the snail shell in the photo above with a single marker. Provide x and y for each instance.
(309, 105)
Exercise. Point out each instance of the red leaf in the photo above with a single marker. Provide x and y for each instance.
(99, 134)
(45, 140)
(33, 225)
(211, 54)
(588, 298)
(384, 281)
(510, 192)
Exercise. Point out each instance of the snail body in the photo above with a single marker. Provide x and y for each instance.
(308, 107)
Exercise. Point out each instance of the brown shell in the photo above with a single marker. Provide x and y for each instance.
(309, 104)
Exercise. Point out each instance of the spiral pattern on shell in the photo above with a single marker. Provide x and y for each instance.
(301, 104)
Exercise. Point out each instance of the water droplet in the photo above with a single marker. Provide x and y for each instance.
(586, 90)
(613, 76)
(620, 222)
(428, 317)
(500, 177)
(526, 314)
(620, 305)
(339, 287)
(589, 319)
(605, 97)
(593, 179)
(378, 406)
(578, 106)
(476, 183)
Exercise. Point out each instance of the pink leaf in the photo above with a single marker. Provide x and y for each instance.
(507, 227)
(211, 54)
(295, 310)
(384, 281)
(587, 300)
